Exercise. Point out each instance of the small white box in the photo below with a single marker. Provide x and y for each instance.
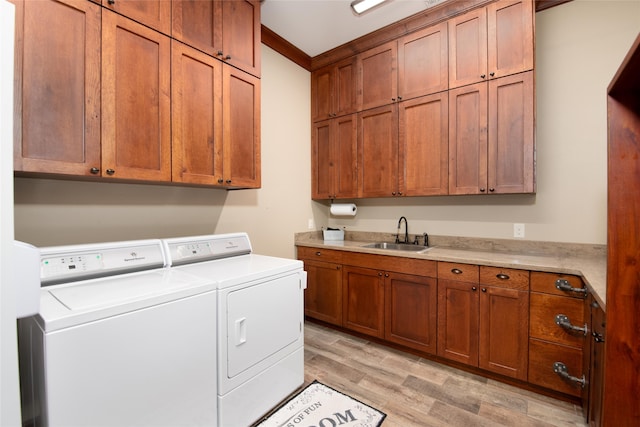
(329, 234)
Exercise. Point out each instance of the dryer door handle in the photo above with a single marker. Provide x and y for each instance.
(241, 331)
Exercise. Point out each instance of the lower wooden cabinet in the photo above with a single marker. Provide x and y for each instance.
(411, 311)
(483, 317)
(363, 300)
(323, 296)
(556, 351)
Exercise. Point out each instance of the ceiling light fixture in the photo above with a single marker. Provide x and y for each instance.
(361, 6)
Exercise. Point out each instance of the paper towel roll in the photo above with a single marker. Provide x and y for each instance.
(344, 209)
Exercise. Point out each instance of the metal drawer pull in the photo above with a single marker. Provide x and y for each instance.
(564, 322)
(502, 276)
(456, 271)
(562, 371)
(565, 286)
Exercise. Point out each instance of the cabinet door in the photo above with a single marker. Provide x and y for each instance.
(423, 62)
(411, 311)
(458, 321)
(198, 24)
(136, 105)
(363, 300)
(241, 129)
(510, 37)
(468, 139)
(504, 326)
(323, 296)
(378, 76)
(196, 99)
(57, 90)
(333, 90)
(378, 151)
(510, 159)
(153, 13)
(423, 145)
(334, 151)
(468, 48)
(241, 34)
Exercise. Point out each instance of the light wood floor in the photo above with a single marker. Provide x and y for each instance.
(413, 391)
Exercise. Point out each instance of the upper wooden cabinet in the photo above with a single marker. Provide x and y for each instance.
(226, 29)
(333, 90)
(423, 62)
(136, 103)
(241, 129)
(196, 98)
(57, 102)
(334, 152)
(378, 76)
(491, 141)
(491, 42)
(153, 13)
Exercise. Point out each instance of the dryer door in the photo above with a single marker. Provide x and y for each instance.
(264, 320)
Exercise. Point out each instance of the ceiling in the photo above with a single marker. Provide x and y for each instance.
(316, 26)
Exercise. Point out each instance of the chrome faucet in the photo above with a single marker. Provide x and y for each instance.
(406, 231)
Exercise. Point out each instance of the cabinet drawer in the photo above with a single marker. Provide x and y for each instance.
(544, 308)
(458, 272)
(546, 282)
(505, 277)
(542, 356)
(327, 255)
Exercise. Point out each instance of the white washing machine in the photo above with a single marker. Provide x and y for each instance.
(120, 340)
(260, 321)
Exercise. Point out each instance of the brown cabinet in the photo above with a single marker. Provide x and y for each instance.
(596, 364)
(57, 102)
(504, 321)
(323, 296)
(363, 300)
(491, 145)
(241, 129)
(152, 13)
(482, 317)
(378, 76)
(378, 152)
(491, 42)
(411, 311)
(556, 348)
(423, 145)
(136, 103)
(423, 62)
(334, 171)
(196, 99)
(333, 90)
(226, 30)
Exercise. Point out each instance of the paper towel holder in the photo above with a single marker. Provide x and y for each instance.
(343, 209)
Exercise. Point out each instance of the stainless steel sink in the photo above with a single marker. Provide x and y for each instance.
(398, 247)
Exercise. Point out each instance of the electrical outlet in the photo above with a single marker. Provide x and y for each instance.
(311, 225)
(518, 231)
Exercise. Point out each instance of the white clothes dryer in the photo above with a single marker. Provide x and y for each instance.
(120, 340)
(260, 321)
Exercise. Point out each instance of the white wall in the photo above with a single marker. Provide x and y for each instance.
(579, 47)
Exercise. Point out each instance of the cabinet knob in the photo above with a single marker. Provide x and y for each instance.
(219, 53)
(399, 193)
(220, 181)
(482, 189)
(399, 98)
(456, 271)
(228, 181)
(393, 100)
(484, 289)
(492, 74)
(492, 189)
(482, 76)
(473, 288)
(386, 274)
(110, 171)
(380, 273)
(502, 276)
(318, 253)
(228, 57)
(112, 1)
(393, 193)
(94, 171)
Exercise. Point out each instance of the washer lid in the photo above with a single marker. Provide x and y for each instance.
(80, 302)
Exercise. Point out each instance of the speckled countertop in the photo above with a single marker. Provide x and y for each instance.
(585, 260)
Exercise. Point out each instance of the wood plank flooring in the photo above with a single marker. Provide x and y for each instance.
(413, 391)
